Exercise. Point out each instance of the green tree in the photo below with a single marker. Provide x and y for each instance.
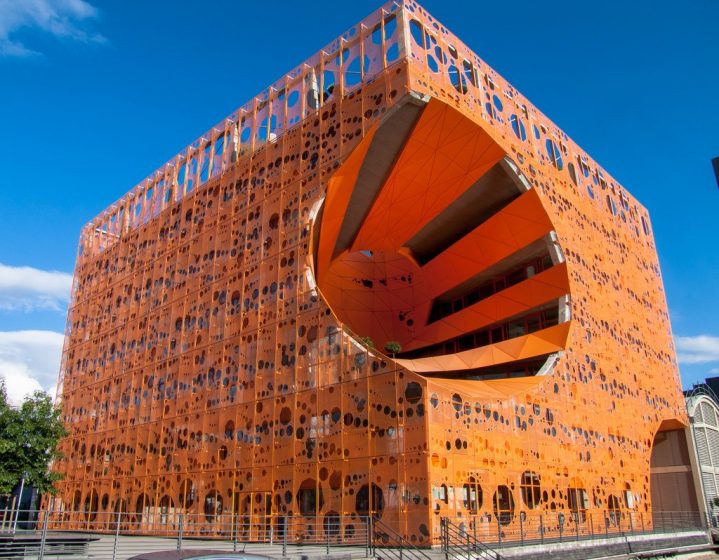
(393, 347)
(29, 435)
(367, 341)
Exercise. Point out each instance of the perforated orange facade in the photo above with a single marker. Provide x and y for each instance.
(225, 346)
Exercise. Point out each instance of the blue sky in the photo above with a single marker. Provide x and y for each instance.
(94, 95)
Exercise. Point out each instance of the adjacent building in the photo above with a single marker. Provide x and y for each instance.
(703, 432)
(387, 285)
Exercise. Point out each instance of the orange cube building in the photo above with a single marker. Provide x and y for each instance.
(387, 285)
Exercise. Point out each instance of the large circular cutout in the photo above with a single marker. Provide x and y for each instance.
(432, 243)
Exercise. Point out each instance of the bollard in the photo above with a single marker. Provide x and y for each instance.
(521, 530)
(117, 535)
(179, 533)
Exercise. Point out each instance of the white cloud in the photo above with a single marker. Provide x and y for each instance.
(61, 18)
(29, 360)
(26, 288)
(697, 349)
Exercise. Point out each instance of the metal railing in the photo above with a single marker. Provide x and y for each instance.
(458, 543)
(118, 535)
(393, 546)
(484, 535)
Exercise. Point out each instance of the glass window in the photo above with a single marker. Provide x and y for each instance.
(531, 489)
(555, 155)
(516, 277)
(613, 510)
(550, 317)
(578, 501)
(466, 342)
(516, 328)
(213, 505)
(572, 173)
(307, 500)
(497, 334)
(471, 299)
(503, 505)
(533, 324)
(482, 338)
(518, 127)
(486, 290)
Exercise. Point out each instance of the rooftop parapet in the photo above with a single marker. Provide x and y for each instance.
(355, 57)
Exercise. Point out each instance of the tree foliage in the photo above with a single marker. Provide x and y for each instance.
(29, 435)
(393, 347)
(367, 341)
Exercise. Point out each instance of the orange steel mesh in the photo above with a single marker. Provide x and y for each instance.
(213, 361)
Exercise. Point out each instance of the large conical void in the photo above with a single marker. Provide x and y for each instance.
(429, 209)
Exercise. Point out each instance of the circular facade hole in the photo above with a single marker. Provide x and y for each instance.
(457, 402)
(369, 500)
(213, 506)
(309, 497)
(503, 505)
(413, 392)
(187, 494)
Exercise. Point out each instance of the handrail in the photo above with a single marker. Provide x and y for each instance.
(400, 549)
(458, 543)
(542, 527)
(102, 535)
